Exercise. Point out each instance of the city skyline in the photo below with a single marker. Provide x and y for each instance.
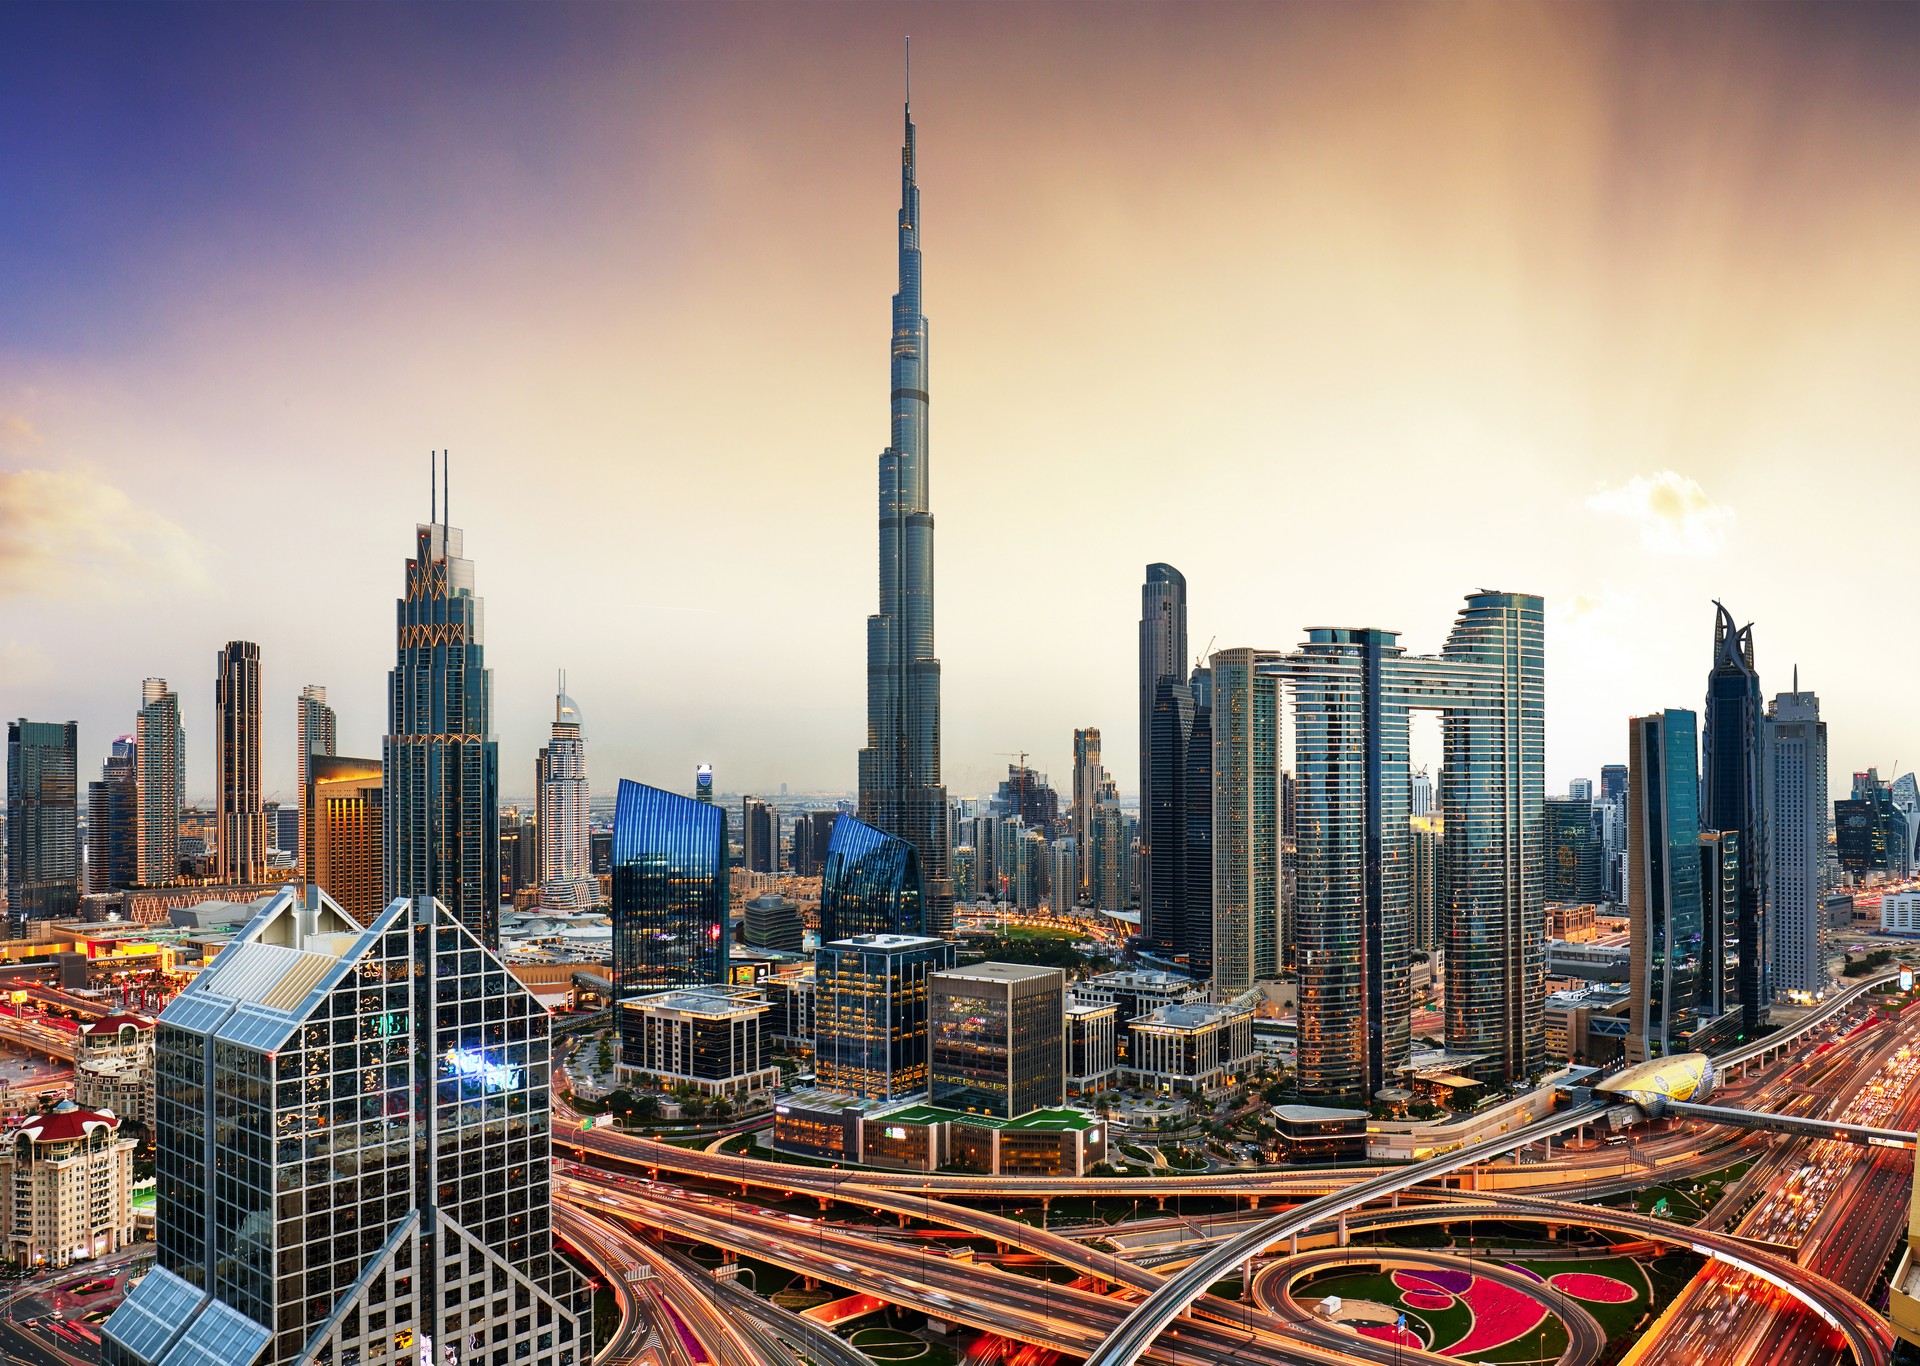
(1624, 283)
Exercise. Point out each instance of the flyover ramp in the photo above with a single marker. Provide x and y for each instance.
(1793, 1124)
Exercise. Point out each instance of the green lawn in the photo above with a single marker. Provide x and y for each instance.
(888, 1344)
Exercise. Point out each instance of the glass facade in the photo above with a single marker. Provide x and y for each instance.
(352, 1153)
(1573, 851)
(43, 836)
(442, 779)
(1245, 822)
(1720, 879)
(1163, 660)
(112, 814)
(872, 1031)
(999, 1039)
(1177, 825)
(1352, 900)
(670, 891)
(900, 786)
(1665, 907)
(871, 884)
(1732, 799)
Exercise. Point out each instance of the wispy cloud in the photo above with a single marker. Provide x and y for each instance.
(64, 534)
(1673, 513)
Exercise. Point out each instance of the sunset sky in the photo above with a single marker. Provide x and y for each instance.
(1344, 310)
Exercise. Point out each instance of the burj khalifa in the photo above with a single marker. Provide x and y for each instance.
(900, 787)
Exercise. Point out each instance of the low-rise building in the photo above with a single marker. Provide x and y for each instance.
(771, 921)
(712, 1039)
(119, 1084)
(999, 1038)
(1192, 1047)
(126, 1038)
(67, 1178)
(1316, 1133)
(1091, 1064)
(1900, 913)
(927, 1138)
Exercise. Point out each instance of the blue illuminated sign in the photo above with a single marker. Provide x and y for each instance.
(472, 1065)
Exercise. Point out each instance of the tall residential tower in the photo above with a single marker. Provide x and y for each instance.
(566, 864)
(240, 821)
(900, 787)
(1731, 762)
(317, 734)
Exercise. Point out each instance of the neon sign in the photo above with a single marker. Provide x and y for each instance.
(472, 1065)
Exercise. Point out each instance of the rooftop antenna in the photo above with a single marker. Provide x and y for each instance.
(433, 489)
(446, 505)
(909, 71)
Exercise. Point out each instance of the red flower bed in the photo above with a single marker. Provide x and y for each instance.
(1584, 1285)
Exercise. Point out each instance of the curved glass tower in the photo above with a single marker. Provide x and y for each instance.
(900, 787)
(871, 884)
(1732, 798)
(669, 891)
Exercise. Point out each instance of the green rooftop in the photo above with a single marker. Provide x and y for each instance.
(1052, 1120)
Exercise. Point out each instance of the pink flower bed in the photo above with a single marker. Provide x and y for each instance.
(1583, 1285)
(1387, 1332)
(1426, 1299)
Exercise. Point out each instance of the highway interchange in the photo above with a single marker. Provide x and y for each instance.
(1795, 1284)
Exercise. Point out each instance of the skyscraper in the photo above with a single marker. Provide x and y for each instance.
(670, 891)
(1163, 660)
(351, 1133)
(1351, 690)
(1664, 905)
(871, 884)
(566, 876)
(1731, 799)
(43, 835)
(1090, 784)
(1720, 928)
(160, 763)
(759, 836)
(1572, 851)
(240, 823)
(1795, 757)
(113, 803)
(901, 791)
(316, 733)
(1245, 823)
(1177, 825)
(1108, 874)
(344, 804)
(442, 780)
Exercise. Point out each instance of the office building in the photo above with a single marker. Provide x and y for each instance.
(712, 1040)
(1573, 871)
(316, 731)
(1189, 1048)
(966, 881)
(566, 873)
(1091, 1038)
(872, 884)
(1419, 794)
(1245, 823)
(901, 791)
(759, 836)
(240, 826)
(442, 783)
(670, 891)
(1664, 907)
(1134, 993)
(1613, 782)
(1163, 665)
(68, 1175)
(999, 1039)
(772, 922)
(352, 1154)
(1580, 789)
(160, 747)
(1720, 874)
(1900, 913)
(872, 1035)
(1177, 826)
(1795, 756)
(113, 803)
(1732, 774)
(1425, 837)
(1028, 795)
(345, 827)
(43, 822)
(1091, 789)
(1063, 874)
(1350, 691)
(1107, 874)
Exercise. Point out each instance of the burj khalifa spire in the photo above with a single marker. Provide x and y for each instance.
(900, 787)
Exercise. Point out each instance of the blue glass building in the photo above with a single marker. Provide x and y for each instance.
(872, 1022)
(1731, 799)
(872, 884)
(670, 893)
(1665, 909)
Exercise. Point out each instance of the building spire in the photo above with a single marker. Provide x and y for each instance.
(909, 75)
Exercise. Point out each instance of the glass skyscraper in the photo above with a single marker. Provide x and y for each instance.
(442, 779)
(315, 733)
(670, 891)
(871, 1013)
(159, 775)
(1664, 906)
(352, 1155)
(871, 884)
(1351, 690)
(1797, 859)
(1732, 763)
(240, 820)
(1165, 728)
(112, 829)
(901, 791)
(1245, 823)
(43, 833)
(1572, 850)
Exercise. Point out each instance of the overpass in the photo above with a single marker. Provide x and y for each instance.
(1799, 1125)
(1769, 1047)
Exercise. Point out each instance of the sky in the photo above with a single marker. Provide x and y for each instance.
(1345, 310)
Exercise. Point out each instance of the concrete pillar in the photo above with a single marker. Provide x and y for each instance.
(1293, 1246)
(1342, 1237)
(903, 1219)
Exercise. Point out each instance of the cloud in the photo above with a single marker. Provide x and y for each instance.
(1673, 513)
(66, 534)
